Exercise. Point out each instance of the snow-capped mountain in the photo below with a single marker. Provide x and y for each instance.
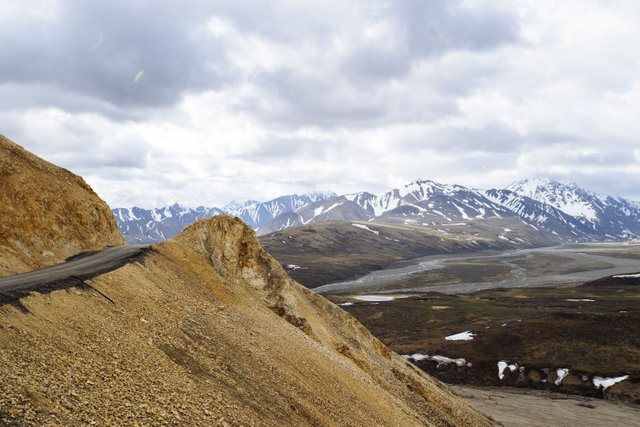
(423, 200)
(139, 225)
(337, 208)
(564, 212)
(427, 198)
(434, 202)
(570, 199)
(603, 217)
(541, 215)
(255, 213)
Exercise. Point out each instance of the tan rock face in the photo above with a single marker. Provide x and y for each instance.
(47, 213)
(207, 330)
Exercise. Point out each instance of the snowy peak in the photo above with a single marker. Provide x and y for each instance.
(421, 189)
(569, 198)
(541, 215)
(423, 200)
(606, 217)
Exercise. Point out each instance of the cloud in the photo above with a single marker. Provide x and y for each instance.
(96, 49)
(203, 102)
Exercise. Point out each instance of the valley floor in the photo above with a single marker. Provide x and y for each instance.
(538, 321)
(456, 274)
(524, 408)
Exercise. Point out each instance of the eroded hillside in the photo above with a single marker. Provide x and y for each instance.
(47, 213)
(208, 329)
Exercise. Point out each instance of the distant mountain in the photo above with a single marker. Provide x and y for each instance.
(604, 217)
(566, 212)
(541, 215)
(139, 225)
(423, 200)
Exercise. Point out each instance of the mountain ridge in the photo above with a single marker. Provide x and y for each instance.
(139, 225)
(567, 212)
(47, 213)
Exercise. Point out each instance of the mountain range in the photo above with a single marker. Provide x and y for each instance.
(139, 225)
(566, 212)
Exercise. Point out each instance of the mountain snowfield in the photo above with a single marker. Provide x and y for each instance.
(564, 211)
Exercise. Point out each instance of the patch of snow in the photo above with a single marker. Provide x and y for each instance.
(335, 205)
(442, 215)
(561, 373)
(502, 365)
(364, 227)
(317, 211)
(462, 336)
(293, 267)
(580, 300)
(463, 214)
(605, 383)
(440, 360)
(627, 276)
(373, 298)
(345, 304)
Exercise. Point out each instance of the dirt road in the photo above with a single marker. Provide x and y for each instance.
(81, 267)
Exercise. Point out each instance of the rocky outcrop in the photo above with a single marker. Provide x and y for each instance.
(207, 330)
(47, 213)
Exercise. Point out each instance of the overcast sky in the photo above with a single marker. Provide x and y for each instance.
(202, 102)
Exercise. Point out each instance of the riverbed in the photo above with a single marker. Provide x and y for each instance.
(589, 266)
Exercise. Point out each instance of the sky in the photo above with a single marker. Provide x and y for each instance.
(202, 102)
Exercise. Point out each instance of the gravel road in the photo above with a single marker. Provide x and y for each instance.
(81, 267)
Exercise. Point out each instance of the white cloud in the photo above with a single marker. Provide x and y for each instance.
(247, 100)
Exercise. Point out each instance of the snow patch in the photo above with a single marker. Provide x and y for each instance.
(561, 373)
(374, 298)
(605, 383)
(580, 300)
(502, 365)
(364, 227)
(627, 276)
(440, 360)
(462, 336)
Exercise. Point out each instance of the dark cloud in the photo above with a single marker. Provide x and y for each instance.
(295, 99)
(85, 56)
(95, 50)
(425, 29)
